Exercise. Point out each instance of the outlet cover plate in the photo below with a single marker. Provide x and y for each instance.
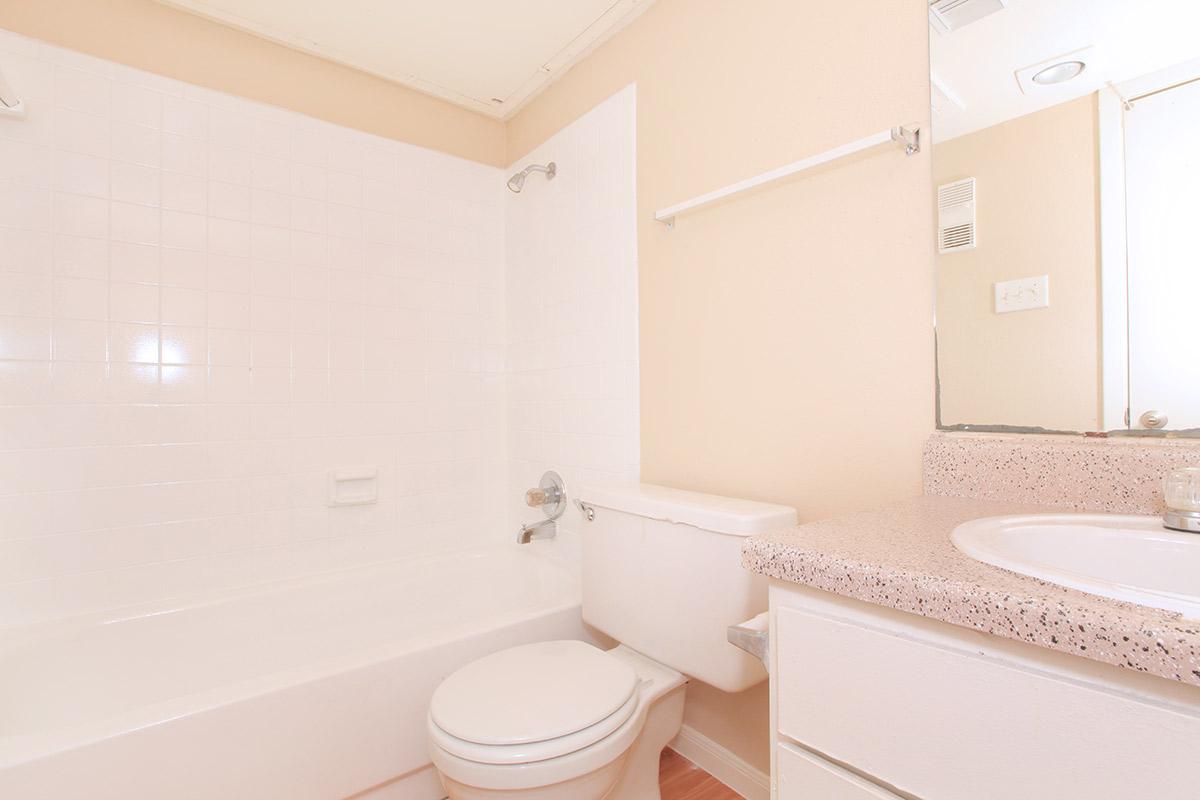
(1023, 294)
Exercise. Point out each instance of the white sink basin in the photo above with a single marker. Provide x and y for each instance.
(1134, 559)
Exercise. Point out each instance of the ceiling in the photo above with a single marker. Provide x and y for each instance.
(978, 64)
(490, 56)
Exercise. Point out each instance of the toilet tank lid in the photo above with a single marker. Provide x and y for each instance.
(709, 512)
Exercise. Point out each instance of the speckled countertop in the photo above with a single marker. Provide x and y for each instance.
(902, 557)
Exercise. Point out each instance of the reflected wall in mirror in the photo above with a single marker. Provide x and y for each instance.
(1067, 176)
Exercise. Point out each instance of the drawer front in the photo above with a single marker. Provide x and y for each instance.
(803, 776)
(944, 723)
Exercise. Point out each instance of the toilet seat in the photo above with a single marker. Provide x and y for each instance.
(530, 752)
(532, 703)
(587, 772)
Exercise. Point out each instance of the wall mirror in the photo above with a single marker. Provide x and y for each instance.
(1066, 170)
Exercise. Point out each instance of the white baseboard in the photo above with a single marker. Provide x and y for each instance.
(723, 765)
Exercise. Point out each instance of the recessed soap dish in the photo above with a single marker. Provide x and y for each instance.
(353, 486)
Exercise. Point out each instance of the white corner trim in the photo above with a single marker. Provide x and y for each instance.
(723, 765)
(1114, 266)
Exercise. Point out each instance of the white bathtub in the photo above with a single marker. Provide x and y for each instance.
(306, 689)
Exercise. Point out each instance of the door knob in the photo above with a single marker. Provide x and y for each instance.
(1153, 419)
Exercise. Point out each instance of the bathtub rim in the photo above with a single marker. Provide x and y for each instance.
(20, 749)
(546, 550)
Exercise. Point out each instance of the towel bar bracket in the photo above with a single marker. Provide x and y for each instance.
(909, 137)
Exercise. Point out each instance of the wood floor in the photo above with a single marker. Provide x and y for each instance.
(680, 779)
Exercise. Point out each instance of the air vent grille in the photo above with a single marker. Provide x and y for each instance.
(947, 16)
(953, 194)
(959, 237)
(956, 216)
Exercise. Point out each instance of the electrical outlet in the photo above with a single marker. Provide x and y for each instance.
(1023, 294)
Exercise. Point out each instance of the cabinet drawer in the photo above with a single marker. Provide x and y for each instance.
(939, 716)
(803, 776)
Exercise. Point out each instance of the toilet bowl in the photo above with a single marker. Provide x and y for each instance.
(565, 720)
(559, 720)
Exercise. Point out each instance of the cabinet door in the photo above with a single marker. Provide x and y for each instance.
(943, 722)
(804, 776)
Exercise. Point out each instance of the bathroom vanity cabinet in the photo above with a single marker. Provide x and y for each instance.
(871, 703)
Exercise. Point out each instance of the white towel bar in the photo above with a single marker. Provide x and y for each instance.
(909, 137)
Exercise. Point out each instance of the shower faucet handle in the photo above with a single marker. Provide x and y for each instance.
(536, 498)
(550, 496)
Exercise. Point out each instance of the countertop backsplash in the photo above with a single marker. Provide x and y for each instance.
(1116, 475)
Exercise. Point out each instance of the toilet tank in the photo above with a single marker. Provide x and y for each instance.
(662, 574)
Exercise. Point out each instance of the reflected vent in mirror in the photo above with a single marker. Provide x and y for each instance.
(956, 216)
(947, 16)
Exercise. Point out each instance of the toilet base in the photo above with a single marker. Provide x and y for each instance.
(640, 779)
(592, 784)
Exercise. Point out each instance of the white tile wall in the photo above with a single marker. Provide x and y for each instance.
(571, 299)
(205, 304)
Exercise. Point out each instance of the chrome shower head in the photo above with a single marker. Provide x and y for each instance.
(516, 182)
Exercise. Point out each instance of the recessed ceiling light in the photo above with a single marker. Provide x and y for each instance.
(1058, 73)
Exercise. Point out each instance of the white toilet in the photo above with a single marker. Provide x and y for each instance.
(565, 720)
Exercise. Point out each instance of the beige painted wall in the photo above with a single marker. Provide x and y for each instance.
(786, 335)
(1037, 214)
(786, 338)
(156, 38)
